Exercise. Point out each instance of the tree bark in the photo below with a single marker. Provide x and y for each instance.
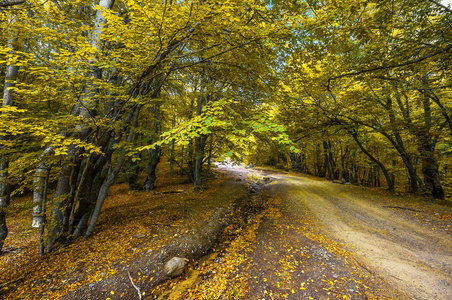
(430, 168)
(5, 190)
(388, 177)
(295, 159)
(427, 149)
(39, 189)
(154, 159)
(8, 3)
(111, 177)
(3, 227)
(64, 194)
(154, 154)
(426, 144)
(173, 144)
(61, 205)
(414, 182)
(43, 215)
(330, 165)
(200, 143)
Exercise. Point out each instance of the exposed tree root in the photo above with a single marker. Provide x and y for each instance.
(133, 284)
(191, 245)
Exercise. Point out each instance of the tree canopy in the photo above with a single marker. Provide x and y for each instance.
(100, 91)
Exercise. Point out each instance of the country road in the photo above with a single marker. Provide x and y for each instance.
(408, 254)
(412, 256)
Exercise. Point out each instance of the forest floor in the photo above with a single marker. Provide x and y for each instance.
(312, 239)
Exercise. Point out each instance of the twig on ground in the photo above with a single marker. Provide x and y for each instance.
(405, 208)
(396, 277)
(11, 282)
(161, 224)
(362, 266)
(137, 288)
(168, 192)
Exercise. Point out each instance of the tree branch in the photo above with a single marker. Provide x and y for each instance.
(443, 6)
(213, 56)
(432, 88)
(410, 62)
(9, 3)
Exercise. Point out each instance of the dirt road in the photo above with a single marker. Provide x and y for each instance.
(389, 239)
(407, 253)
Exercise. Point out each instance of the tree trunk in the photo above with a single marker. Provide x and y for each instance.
(172, 154)
(388, 177)
(321, 170)
(200, 143)
(430, 168)
(38, 195)
(154, 154)
(154, 159)
(426, 143)
(330, 165)
(397, 141)
(84, 212)
(209, 160)
(133, 170)
(64, 194)
(3, 227)
(90, 181)
(111, 177)
(5, 190)
(295, 158)
(39, 190)
(61, 205)
(427, 149)
(43, 215)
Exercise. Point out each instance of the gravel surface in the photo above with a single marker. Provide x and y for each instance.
(388, 239)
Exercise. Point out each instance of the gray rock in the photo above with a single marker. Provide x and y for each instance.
(175, 266)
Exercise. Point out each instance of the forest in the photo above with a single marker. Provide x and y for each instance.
(97, 92)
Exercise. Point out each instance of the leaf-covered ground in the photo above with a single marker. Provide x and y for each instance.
(131, 223)
(286, 250)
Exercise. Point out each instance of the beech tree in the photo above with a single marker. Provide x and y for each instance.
(95, 67)
(95, 89)
(365, 70)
